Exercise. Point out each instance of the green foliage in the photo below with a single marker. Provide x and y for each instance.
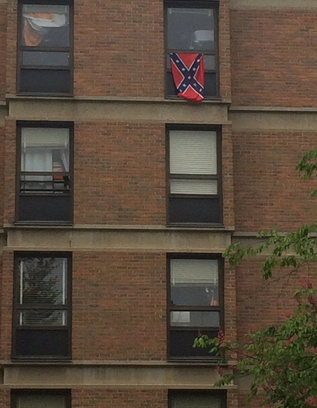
(282, 361)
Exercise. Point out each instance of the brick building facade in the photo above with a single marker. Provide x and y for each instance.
(118, 198)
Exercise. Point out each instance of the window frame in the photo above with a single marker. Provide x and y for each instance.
(17, 307)
(209, 4)
(21, 48)
(15, 394)
(218, 177)
(43, 124)
(170, 308)
(174, 392)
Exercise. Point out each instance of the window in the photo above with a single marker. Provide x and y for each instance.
(45, 52)
(191, 27)
(42, 296)
(39, 399)
(44, 174)
(196, 399)
(194, 177)
(194, 304)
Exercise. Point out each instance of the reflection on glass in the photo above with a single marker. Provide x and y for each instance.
(45, 26)
(190, 29)
(45, 58)
(43, 318)
(195, 319)
(43, 281)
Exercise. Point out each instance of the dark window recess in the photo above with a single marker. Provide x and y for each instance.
(41, 398)
(44, 174)
(194, 304)
(45, 51)
(196, 399)
(41, 323)
(191, 27)
(194, 177)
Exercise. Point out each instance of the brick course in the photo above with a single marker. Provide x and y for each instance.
(273, 57)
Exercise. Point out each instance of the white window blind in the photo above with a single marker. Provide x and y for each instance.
(196, 401)
(193, 152)
(194, 271)
(45, 137)
(181, 186)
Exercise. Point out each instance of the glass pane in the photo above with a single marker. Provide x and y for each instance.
(45, 58)
(196, 210)
(193, 152)
(43, 281)
(41, 400)
(190, 29)
(195, 319)
(45, 81)
(44, 150)
(181, 343)
(193, 186)
(196, 400)
(209, 61)
(45, 26)
(42, 318)
(194, 282)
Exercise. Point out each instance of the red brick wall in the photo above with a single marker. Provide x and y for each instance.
(6, 285)
(120, 173)
(2, 132)
(3, 38)
(119, 48)
(262, 303)
(119, 306)
(224, 50)
(227, 176)
(273, 54)
(269, 192)
(11, 47)
(9, 171)
(121, 398)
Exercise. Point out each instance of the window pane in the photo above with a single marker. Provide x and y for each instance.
(190, 29)
(209, 62)
(45, 81)
(195, 319)
(45, 58)
(45, 26)
(193, 152)
(181, 343)
(43, 281)
(193, 186)
(194, 210)
(45, 150)
(196, 400)
(194, 282)
(41, 400)
(42, 318)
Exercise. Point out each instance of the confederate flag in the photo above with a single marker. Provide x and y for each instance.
(188, 74)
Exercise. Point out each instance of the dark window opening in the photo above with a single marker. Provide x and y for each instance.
(45, 52)
(194, 180)
(44, 173)
(42, 298)
(195, 304)
(191, 28)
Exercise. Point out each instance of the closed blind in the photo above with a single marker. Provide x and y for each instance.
(43, 281)
(179, 186)
(193, 152)
(45, 137)
(196, 401)
(41, 400)
(40, 8)
(194, 271)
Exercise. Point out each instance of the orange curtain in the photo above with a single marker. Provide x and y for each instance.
(31, 37)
